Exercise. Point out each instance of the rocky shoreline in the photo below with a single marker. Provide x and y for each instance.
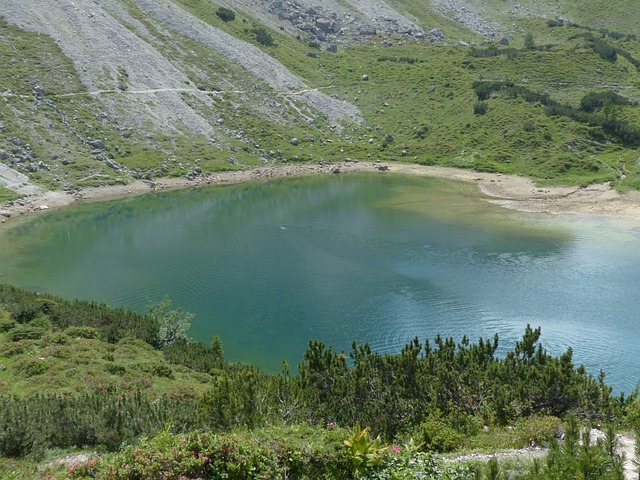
(509, 191)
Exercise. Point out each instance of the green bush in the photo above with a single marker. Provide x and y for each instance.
(226, 14)
(480, 108)
(437, 435)
(82, 332)
(58, 338)
(162, 370)
(404, 463)
(31, 367)
(295, 452)
(536, 429)
(593, 101)
(41, 322)
(6, 324)
(26, 332)
(263, 37)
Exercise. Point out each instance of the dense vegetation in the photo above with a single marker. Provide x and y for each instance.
(142, 377)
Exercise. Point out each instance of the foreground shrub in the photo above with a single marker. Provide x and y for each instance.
(404, 463)
(293, 452)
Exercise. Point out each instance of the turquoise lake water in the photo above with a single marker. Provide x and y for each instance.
(370, 258)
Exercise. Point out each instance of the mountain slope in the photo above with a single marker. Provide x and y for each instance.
(97, 93)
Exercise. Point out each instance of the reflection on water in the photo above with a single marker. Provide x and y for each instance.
(372, 258)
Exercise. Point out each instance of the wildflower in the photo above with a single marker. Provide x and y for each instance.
(330, 424)
(395, 449)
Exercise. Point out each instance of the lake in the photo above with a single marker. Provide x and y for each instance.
(375, 258)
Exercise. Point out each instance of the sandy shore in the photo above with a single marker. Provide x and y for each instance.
(510, 191)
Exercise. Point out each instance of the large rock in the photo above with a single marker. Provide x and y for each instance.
(96, 144)
(324, 24)
(3, 155)
(366, 30)
(436, 34)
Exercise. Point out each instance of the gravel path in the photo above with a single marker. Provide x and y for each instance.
(626, 447)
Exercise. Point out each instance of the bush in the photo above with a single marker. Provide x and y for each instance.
(293, 452)
(605, 50)
(82, 332)
(537, 429)
(480, 108)
(438, 436)
(225, 14)
(263, 37)
(31, 367)
(593, 101)
(6, 324)
(162, 370)
(25, 332)
(529, 42)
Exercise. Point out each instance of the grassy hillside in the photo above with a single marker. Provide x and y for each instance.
(415, 97)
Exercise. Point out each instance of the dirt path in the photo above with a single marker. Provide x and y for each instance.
(626, 447)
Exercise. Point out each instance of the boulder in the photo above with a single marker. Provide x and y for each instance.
(436, 34)
(96, 144)
(367, 30)
(324, 24)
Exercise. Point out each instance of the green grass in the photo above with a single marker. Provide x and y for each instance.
(64, 362)
(7, 195)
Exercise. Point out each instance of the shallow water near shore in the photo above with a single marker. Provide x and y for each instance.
(365, 257)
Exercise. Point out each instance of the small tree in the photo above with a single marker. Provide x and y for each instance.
(529, 42)
(172, 324)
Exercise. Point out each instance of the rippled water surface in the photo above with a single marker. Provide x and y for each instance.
(375, 258)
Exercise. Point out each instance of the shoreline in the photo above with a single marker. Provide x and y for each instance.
(509, 191)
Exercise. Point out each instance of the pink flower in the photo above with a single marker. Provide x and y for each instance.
(395, 449)
(330, 424)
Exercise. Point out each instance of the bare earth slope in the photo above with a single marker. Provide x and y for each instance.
(103, 40)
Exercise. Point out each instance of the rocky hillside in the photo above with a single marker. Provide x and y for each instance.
(104, 92)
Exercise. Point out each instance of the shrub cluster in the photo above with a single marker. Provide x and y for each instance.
(590, 112)
(294, 453)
